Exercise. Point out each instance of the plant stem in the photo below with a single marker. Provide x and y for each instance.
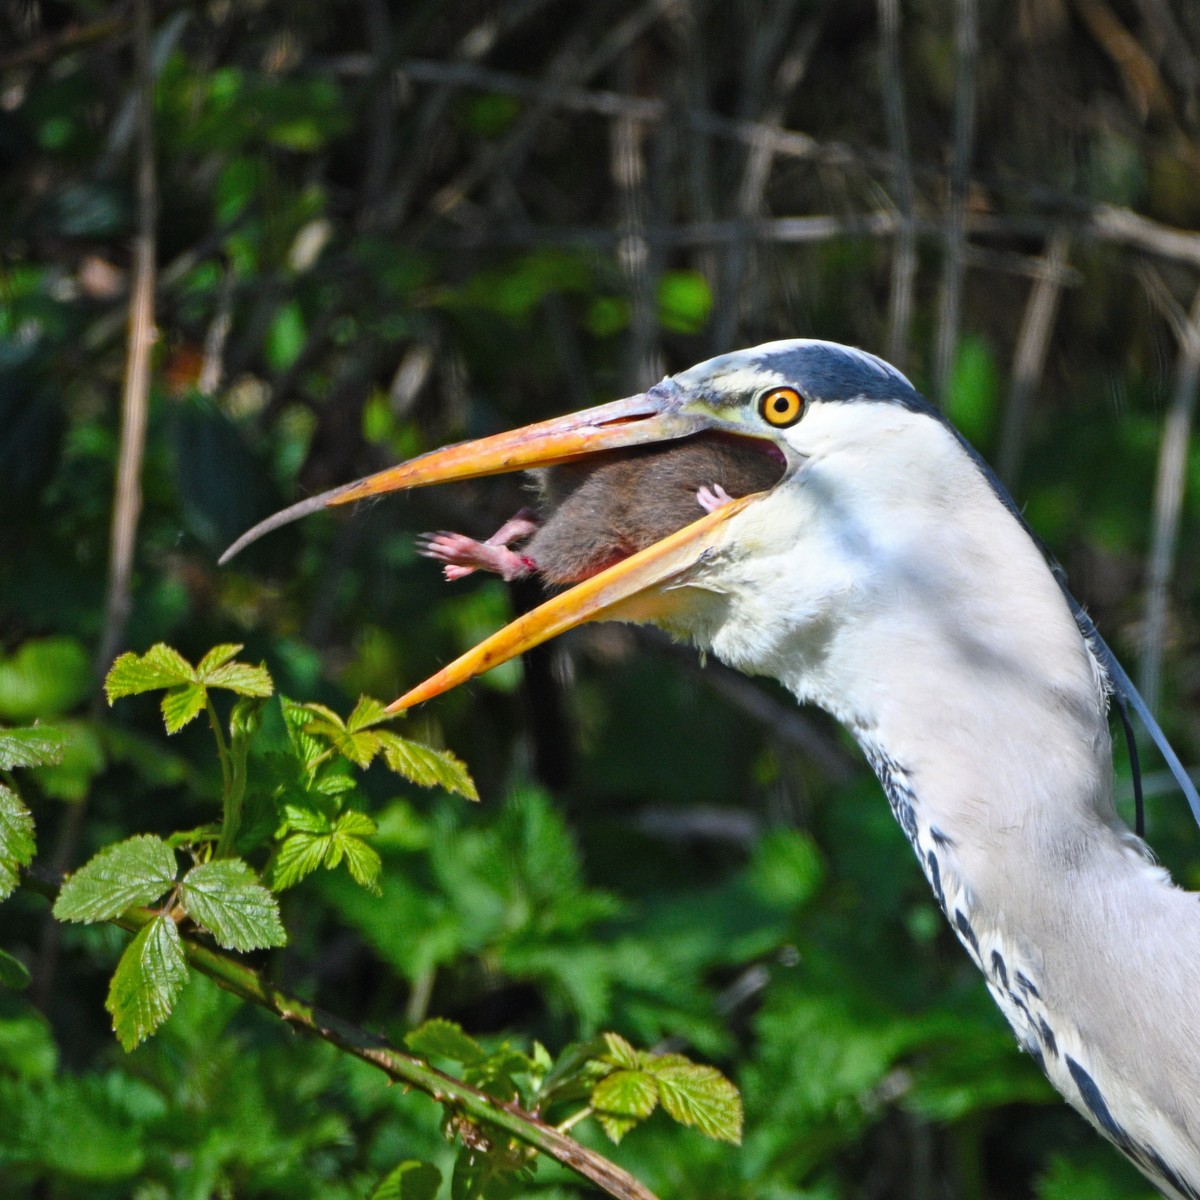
(248, 985)
(231, 803)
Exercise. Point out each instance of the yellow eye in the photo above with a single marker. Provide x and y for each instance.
(781, 406)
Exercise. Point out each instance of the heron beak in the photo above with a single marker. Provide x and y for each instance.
(632, 422)
(636, 588)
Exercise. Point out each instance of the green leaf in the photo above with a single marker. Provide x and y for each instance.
(147, 982)
(45, 678)
(17, 842)
(409, 1180)
(32, 746)
(182, 705)
(13, 972)
(84, 755)
(439, 1038)
(619, 1051)
(362, 861)
(700, 1096)
(425, 766)
(626, 1094)
(299, 855)
(367, 712)
(615, 1127)
(226, 898)
(161, 666)
(136, 871)
(239, 677)
(217, 657)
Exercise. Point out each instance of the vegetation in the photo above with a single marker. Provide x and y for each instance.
(249, 251)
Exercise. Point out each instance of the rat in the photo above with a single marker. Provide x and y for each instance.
(600, 510)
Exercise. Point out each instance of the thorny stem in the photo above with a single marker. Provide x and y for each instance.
(477, 1105)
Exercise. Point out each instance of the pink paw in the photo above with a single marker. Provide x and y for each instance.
(461, 555)
(712, 498)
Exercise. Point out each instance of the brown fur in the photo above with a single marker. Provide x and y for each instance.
(605, 508)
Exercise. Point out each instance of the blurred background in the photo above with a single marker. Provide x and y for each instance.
(254, 249)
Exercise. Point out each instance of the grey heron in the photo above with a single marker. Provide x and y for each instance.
(887, 578)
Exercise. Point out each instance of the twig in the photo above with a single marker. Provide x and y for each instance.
(634, 253)
(71, 38)
(966, 45)
(904, 252)
(1029, 359)
(1168, 500)
(248, 985)
(135, 397)
(1139, 75)
(760, 157)
(127, 498)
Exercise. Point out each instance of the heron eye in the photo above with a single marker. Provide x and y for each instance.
(782, 406)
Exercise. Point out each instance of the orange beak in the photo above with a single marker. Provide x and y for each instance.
(634, 589)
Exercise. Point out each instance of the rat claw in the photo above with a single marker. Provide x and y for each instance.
(712, 498)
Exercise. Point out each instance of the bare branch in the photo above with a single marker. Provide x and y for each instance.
(904, 253)
(135, 399)
(954, 235)
(1029, 359)
(1168, 502)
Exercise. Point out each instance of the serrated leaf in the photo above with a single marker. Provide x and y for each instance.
(439, 1038)
(359, 748)
(30, 746)
(147, 982)
(161, 666)
(615, 1127)
(299, 855)
(17, 842)
(367, 712)
(296, 718)
(226, 898)
(626, 1094)
(216, 657)
(182, 705)
(14, 973)
(136, 871)
(619, 1051)
(242, 678)
(410, 1180)
(425, 766)
(362, 861)
(700, 1096)
(355, 824)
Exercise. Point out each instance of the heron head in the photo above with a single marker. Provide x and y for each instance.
(786, 399)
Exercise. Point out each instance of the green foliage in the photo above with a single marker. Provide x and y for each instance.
(147, 981)
(43, 678)
(163, 668)
(225, 897)
(409, 1180)
(690, 1093)
(137, 871)
(17, 843)
(606, 1077)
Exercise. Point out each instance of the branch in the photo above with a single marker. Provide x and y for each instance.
(404, 1068)
(954, 236)
(135, 397)
(1169, 487)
